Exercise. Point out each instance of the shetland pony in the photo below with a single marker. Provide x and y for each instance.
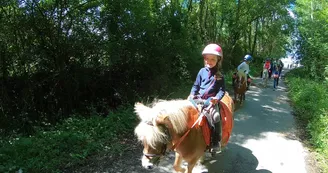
(265, 77)
(240, 90)
(176, 125)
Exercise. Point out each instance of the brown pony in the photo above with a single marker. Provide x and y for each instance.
(175, 125)
(240, 90)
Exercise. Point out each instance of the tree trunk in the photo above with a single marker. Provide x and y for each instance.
(236, 32)
(190, 6)
(250, 37)
(255, 36)
(201, 26)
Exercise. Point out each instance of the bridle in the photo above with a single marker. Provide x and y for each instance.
(155, 158)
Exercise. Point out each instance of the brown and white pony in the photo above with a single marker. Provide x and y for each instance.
(162, 126)
(175, 125)
(240, 90)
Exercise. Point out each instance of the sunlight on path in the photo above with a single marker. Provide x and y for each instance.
(277, 153)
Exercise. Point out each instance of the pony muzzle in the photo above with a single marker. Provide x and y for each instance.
(149, 162)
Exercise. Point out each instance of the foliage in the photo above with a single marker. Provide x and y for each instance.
(310, 104)
(69, 143)
(312, 23)
(308, 89)
(60, 58)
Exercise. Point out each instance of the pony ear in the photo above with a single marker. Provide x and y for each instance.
(142, 111)
(159, 120)
(163, 120)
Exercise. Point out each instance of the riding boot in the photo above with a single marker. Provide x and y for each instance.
(277, 80)
(216, 138)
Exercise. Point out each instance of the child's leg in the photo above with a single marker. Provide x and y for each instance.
(239, 76)
(277, 81)
(264, 74)
(244, 76)
(215, 112)
(274, 82)
(217, 131)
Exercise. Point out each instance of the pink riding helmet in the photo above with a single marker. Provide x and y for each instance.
(213, 49)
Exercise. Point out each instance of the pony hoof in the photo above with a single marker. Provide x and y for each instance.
(202, 168)
(179, 169)
(213, 154)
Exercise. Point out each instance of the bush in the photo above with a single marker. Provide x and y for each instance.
(69, 143)
(318, 128)
(310, 100)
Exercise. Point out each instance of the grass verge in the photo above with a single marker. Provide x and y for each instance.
(309, 100)
(67, 144)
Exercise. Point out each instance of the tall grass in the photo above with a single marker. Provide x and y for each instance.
(67, 144)
(310, 98)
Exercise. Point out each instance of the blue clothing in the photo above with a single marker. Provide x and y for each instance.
(275, 80)
(207, 86)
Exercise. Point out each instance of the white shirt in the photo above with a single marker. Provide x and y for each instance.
(243, 67)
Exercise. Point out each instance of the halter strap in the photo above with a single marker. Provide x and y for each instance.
(184, 136)
(207, 102)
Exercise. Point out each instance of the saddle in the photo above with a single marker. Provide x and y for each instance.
(226, 108)
(204, 109)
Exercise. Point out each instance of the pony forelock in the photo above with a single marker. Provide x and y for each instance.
(174, 110)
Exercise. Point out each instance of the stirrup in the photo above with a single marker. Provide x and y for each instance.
(216, 150)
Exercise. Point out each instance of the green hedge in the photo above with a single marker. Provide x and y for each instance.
(67, 144)
(310, 102)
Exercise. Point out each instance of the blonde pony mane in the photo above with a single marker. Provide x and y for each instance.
(174, 110)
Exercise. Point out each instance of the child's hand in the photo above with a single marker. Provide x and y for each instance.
(190, 97)
(214, 100)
